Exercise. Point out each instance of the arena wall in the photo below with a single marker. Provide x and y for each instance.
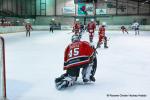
(13, 29)
(110, 20)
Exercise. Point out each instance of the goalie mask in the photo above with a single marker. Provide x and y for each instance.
(75, 38)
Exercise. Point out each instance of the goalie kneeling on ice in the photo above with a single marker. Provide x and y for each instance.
(78, 55)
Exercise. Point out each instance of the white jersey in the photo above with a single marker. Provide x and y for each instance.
(135, 25)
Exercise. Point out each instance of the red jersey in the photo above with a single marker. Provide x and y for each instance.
(101, 33)
(76, 27)
(77, 53)
(28, 27)
(91, 27)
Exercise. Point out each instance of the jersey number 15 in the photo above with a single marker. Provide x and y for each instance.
(74, 52)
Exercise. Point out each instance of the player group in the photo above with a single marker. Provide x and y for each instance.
(79, 28)
(135, 26)
(82, 55)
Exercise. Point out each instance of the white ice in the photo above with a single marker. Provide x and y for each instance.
(33, 63)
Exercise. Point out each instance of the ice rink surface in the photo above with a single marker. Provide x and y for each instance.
(33, 63)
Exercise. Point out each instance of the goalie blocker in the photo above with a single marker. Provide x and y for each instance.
(78, 55)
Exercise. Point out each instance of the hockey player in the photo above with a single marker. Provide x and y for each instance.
(28, 29)
(102, 37)
(78, 54)
(51, 28)
(91, 29)
(123, 29)
(136, 26)
(76, 27)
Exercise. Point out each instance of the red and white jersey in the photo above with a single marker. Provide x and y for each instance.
(91, 27)
(76, 27)
(77, 54)
(28, 27)
(101, 33)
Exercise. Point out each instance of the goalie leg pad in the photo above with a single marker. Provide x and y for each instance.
(64, 82)
(88, 72)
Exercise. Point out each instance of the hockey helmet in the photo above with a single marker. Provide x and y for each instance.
(75, 38)
(77, 19)
(53, 19)
(92, 20)
(103, 24)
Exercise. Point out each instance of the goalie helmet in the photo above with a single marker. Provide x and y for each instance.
(75, 38)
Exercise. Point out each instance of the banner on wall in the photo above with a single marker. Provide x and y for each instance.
(90, 9)
(100, 11)
(68, 10)
(81, 9)
(85, 9)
